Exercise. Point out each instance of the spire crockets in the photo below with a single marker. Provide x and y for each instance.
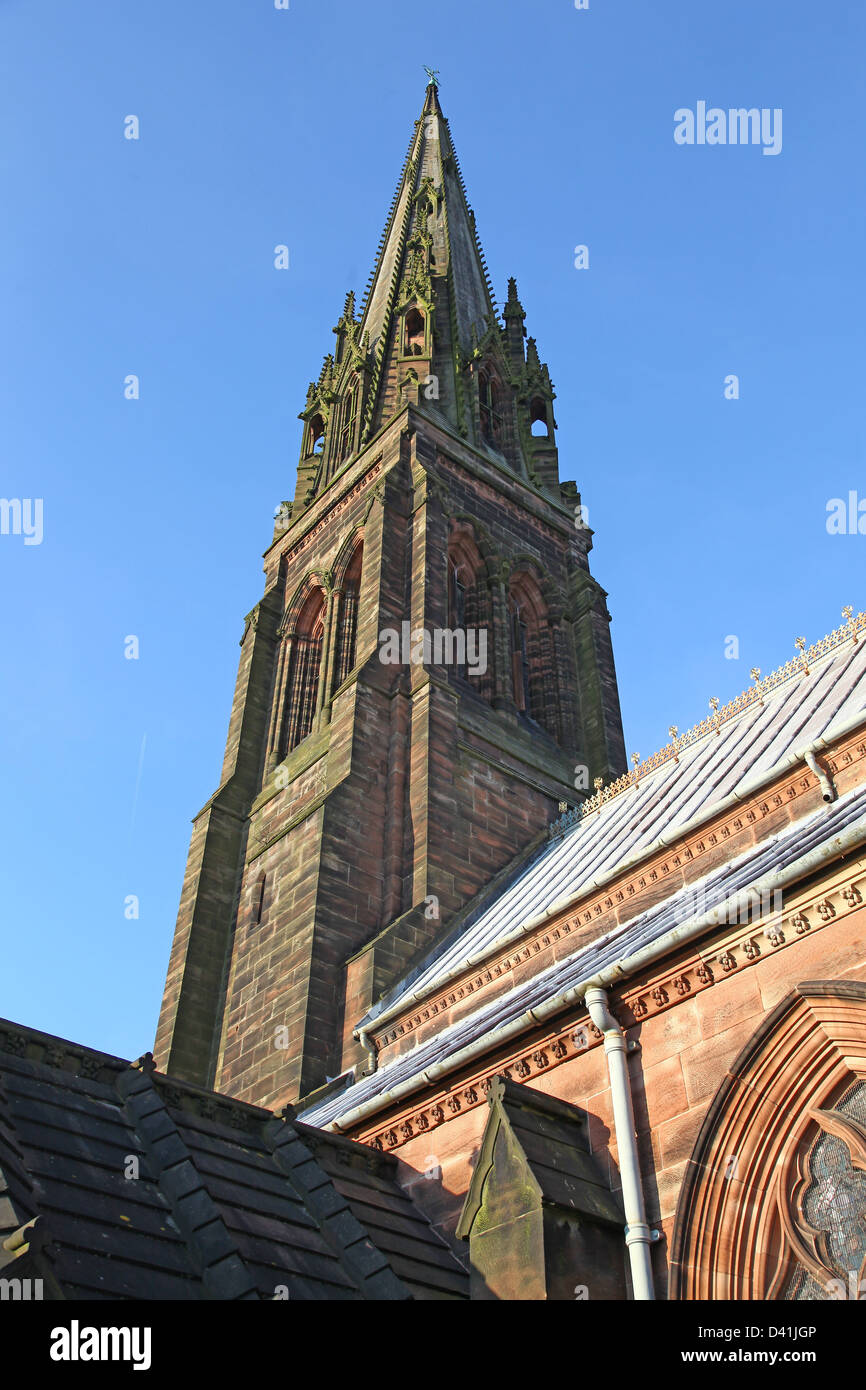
(428, 332)
(429, 286)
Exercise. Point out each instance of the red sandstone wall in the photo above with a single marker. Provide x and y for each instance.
(685, 1050)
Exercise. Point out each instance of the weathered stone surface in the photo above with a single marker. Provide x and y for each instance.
(416, 783)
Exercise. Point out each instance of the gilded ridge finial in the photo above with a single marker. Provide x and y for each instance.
(800, 644)
(854, 625)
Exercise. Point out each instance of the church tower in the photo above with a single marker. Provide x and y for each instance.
(428, 674)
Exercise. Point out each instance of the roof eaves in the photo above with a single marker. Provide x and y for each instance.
(850, 832)
(749, 788)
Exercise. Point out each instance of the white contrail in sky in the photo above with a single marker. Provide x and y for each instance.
(137, 783)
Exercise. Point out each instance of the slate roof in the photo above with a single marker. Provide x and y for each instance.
(230, 1201)
(797, 711)
(415, 1251)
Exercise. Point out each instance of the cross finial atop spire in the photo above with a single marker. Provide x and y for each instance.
(431, 93)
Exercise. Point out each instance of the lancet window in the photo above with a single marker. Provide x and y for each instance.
(347, 623)
(304, 670)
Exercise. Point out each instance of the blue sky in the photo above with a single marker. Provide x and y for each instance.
(155, 257)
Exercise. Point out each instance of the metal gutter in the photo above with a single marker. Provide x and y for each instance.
(747, 789)
(744, 899)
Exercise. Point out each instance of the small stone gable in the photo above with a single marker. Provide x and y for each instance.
(539, 1217)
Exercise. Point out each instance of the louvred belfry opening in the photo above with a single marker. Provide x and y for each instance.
(469, 609)
(304, 672)
(348, 629)
(491, 419)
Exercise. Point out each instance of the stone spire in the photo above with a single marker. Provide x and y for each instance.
(428, 333)
(429, 290)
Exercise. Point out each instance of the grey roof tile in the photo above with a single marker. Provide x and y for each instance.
(215, 1212)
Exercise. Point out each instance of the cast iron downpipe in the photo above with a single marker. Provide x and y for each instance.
(638, 1236)
(828, 788)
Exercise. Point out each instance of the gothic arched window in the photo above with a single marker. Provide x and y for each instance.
(306, 660)
(413, 334)
(532, 664)
(457, 609)
(456, 595)
(525, 689)
(823, 1213)
(469, 610)
(490, 409)
(347, 421)
(538, 419)
(347, 623)
(315, 435)
(773, 1202)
